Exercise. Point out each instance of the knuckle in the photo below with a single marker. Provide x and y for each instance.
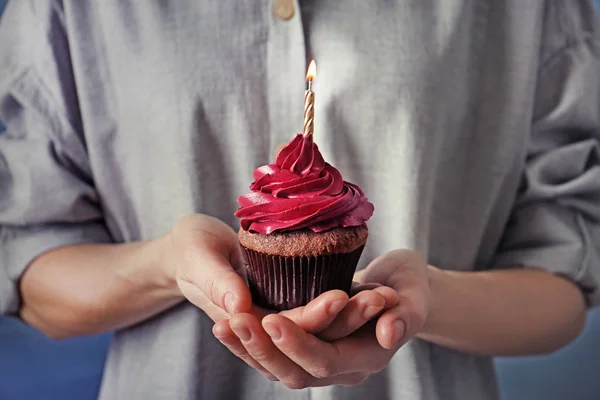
(213, 291)
(298, 382)
(412, 312)
(416, 318)
(325, 370)
(291, 347)
(241, 354)
(188, 225)
(180, 225)
(189, 255)
(269, 376)
(360, 379)
(355, 379)
(409, 256)
(186, 220)
(418, 258)
(260, 355)
(210, 289)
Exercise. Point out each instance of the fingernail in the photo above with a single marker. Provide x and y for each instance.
(370, 311)
(230, 303)
(243, 333)
(398, 330)
(336, 307)
(272, 331)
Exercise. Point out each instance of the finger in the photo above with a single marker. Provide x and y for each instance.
(260, 347)
(260, 312)
(390, 295)
(406, 272)
(207, 272)
(320, 312)
(213, 311)
(358, 287)
(213, 277)
(399, 324)
(359, 310)
(322, 360)
(225, 335)
(313, 317)
(343, 380)
(208, 253)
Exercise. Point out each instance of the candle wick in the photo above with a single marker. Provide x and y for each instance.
(310, 84)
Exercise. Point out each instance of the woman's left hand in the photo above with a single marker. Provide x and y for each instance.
(352, 346)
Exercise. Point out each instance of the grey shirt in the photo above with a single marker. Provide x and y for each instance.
(472, 126)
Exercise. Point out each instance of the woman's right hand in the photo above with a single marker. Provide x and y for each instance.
(204, 259)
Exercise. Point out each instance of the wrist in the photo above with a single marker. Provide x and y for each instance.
(438, 280)
(162, 272)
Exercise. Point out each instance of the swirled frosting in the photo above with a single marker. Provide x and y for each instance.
(300, 190)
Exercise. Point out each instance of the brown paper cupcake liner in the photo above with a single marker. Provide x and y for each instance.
(283, 283)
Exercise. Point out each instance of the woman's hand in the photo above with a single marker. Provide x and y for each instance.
(348, 349)
(204, 259)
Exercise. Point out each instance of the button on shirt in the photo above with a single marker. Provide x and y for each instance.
(283, 9)
(471, 125)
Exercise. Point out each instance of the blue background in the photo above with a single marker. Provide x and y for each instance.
(35, 368)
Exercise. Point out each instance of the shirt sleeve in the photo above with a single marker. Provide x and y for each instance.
(47, 195)
(555, 223)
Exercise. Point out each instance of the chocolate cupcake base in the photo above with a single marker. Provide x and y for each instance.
(286, 282)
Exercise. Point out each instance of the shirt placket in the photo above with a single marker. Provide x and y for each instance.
(286, 69)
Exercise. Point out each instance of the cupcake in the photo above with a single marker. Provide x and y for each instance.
(303, 228)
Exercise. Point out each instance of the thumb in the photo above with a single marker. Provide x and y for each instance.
(210, 276)
(209, 256)
(406, 272)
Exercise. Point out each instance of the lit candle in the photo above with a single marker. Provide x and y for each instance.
(309, 101)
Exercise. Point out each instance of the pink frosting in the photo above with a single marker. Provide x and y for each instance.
(301, 191)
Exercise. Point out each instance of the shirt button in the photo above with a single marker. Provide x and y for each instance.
(279, 147)
(283, 9)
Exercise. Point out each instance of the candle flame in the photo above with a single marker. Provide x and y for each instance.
(312, 71)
